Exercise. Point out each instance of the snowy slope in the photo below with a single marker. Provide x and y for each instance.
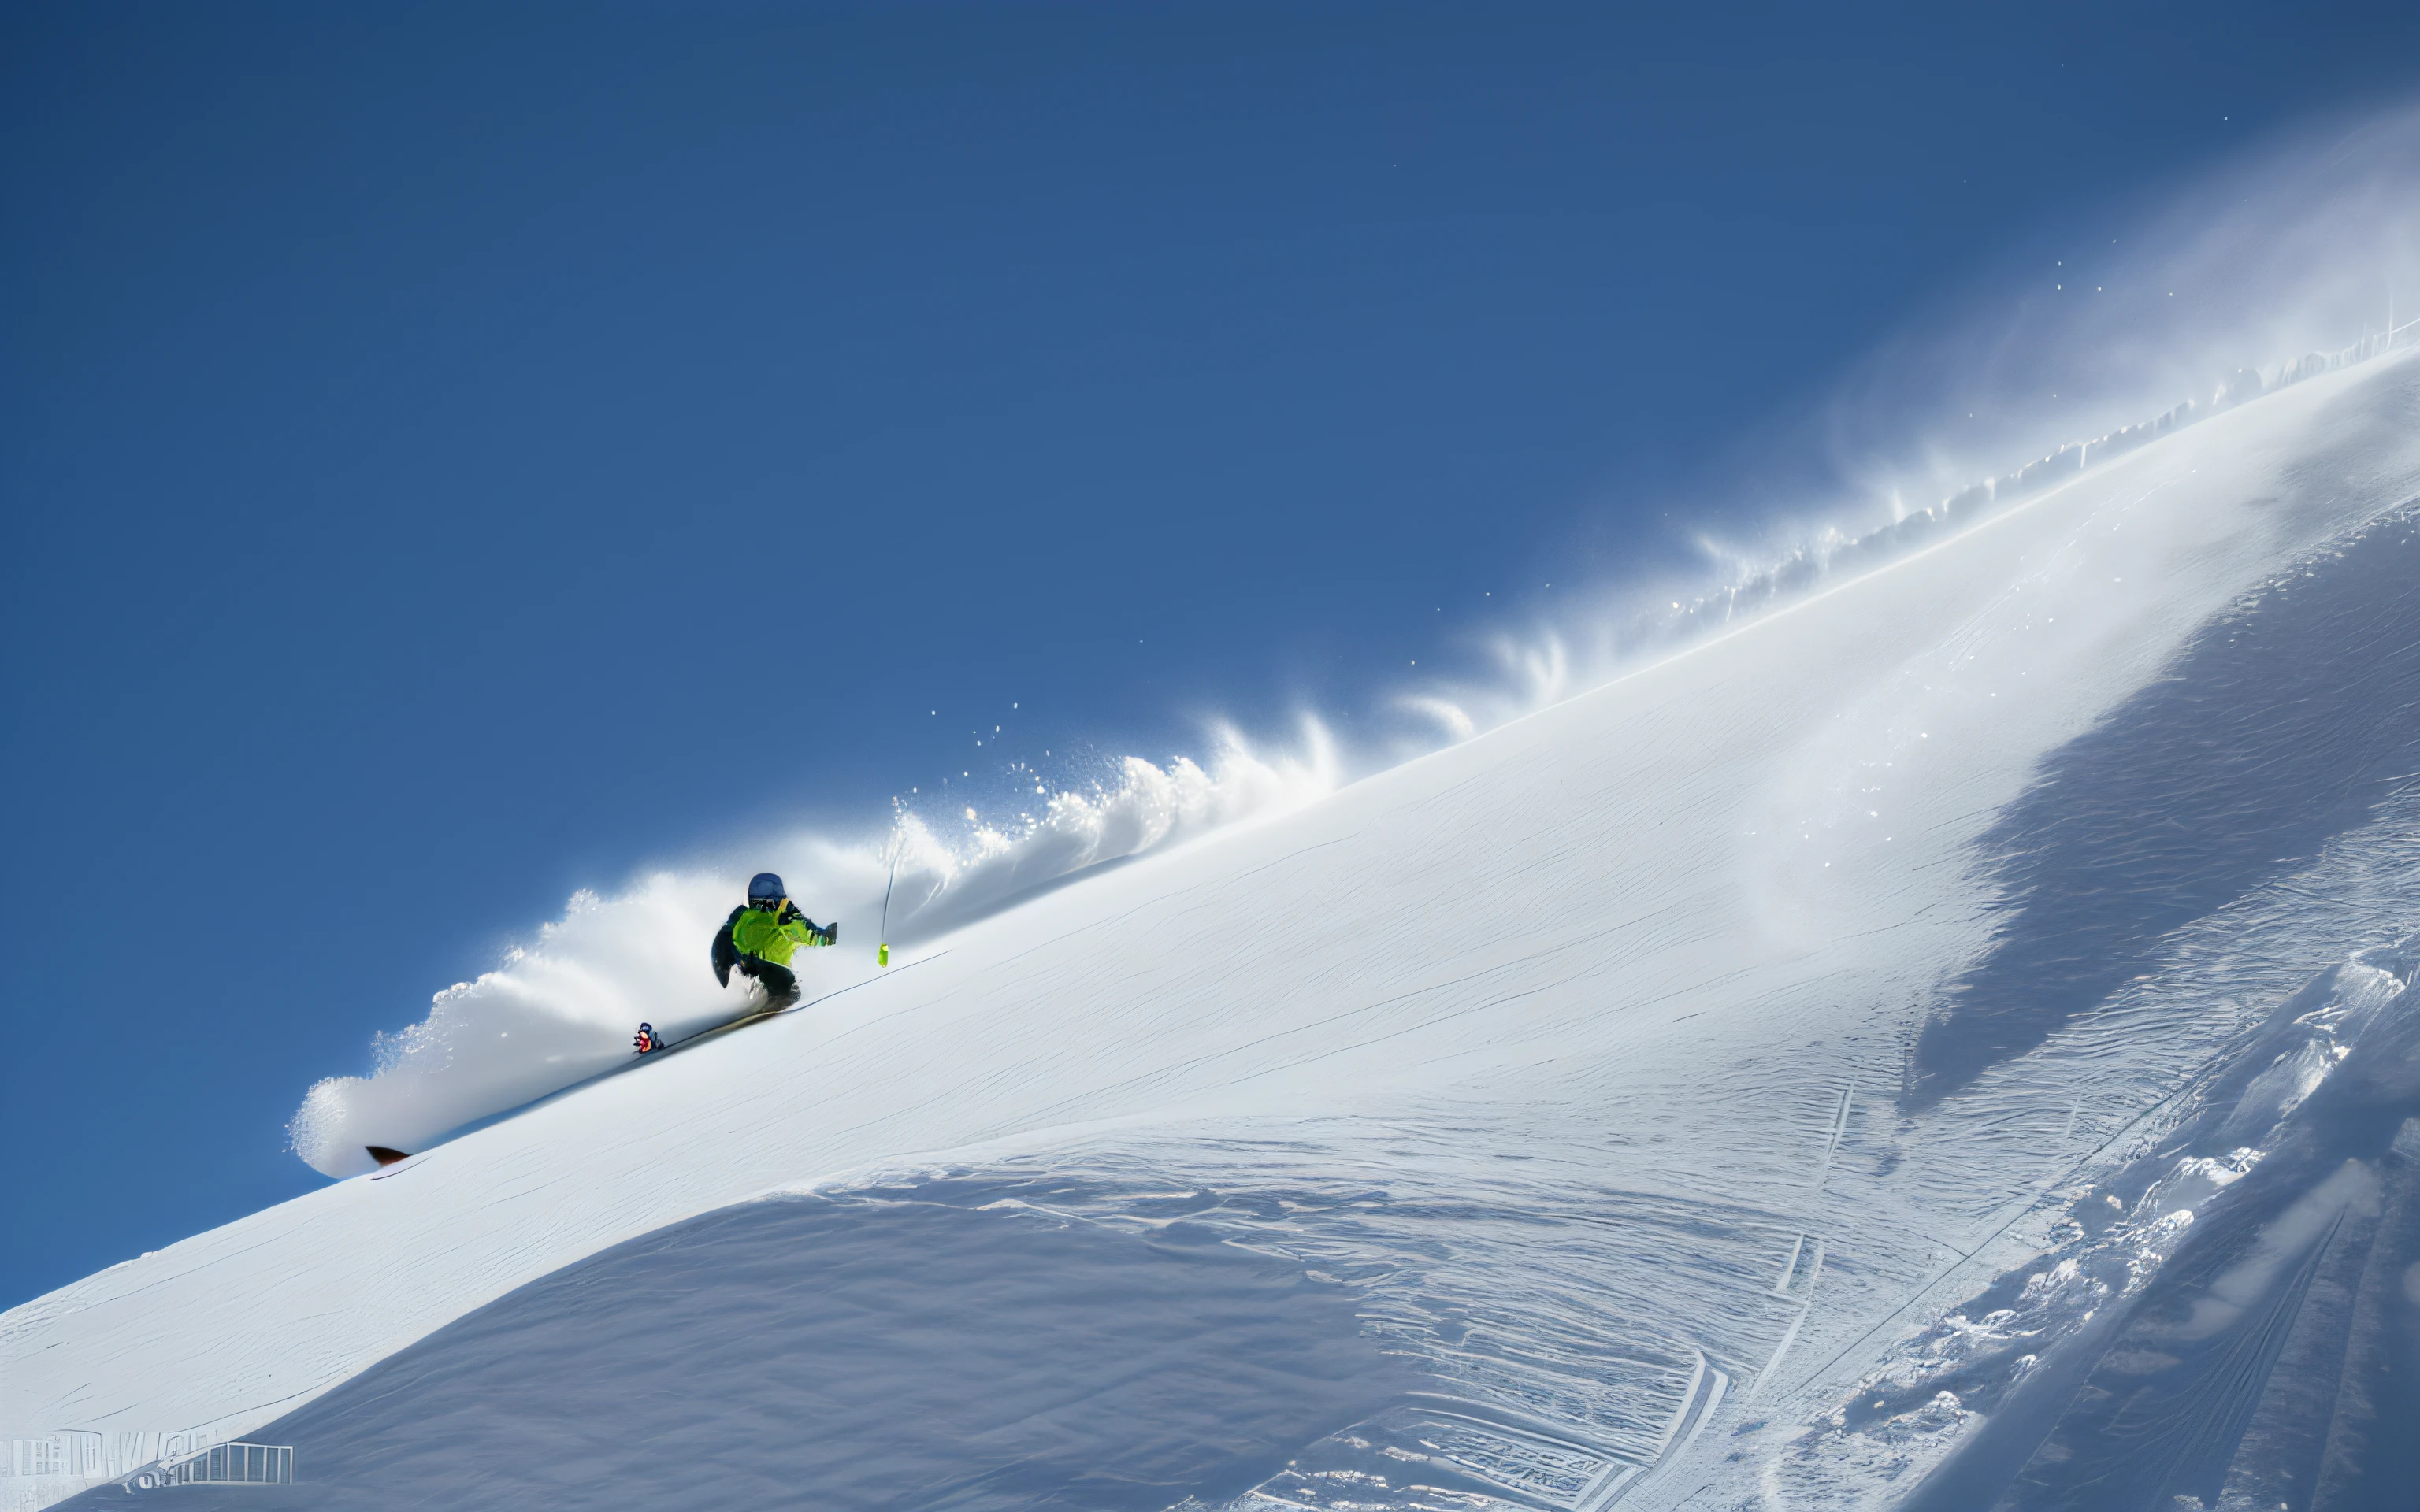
(1583, 1064)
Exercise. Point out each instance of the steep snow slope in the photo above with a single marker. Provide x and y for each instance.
(1585, 1062)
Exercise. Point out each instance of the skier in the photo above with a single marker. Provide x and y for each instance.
(761, 935)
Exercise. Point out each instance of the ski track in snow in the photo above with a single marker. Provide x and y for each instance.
(1581, 1056)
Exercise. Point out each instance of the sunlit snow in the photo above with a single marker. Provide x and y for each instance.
(1941, 1029)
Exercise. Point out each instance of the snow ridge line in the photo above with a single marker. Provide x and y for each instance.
(1833, 551)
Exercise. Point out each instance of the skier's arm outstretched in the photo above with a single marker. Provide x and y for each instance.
(804, 930)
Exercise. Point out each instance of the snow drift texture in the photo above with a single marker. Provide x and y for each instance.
(1948, 1038)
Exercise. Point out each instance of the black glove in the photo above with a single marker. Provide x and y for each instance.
(832, 932)
(790, 914)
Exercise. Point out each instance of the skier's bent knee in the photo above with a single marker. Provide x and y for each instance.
(779, 984)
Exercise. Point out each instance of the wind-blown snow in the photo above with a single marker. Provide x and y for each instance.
(563, 1008)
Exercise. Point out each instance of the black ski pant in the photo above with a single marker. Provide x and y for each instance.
(779, 983)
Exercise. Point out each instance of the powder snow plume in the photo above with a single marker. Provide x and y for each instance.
(562, 1007)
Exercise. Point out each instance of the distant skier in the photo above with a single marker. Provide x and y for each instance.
(761, 935)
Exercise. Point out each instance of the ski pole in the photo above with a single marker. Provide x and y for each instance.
(882, 952)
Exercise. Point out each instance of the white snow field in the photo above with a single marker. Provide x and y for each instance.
(1943, 1043)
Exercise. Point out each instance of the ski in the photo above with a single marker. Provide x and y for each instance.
(655, 1045)
(649, 1042)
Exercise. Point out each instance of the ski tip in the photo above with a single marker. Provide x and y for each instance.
(386, 1156)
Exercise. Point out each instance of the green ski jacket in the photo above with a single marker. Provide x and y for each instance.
(760, 934)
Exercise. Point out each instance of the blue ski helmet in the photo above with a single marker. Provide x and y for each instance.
(765, 888)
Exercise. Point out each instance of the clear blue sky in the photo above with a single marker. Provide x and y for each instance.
(454, 454)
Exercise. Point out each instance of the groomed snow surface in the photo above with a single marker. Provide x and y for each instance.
(1943, 1044)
